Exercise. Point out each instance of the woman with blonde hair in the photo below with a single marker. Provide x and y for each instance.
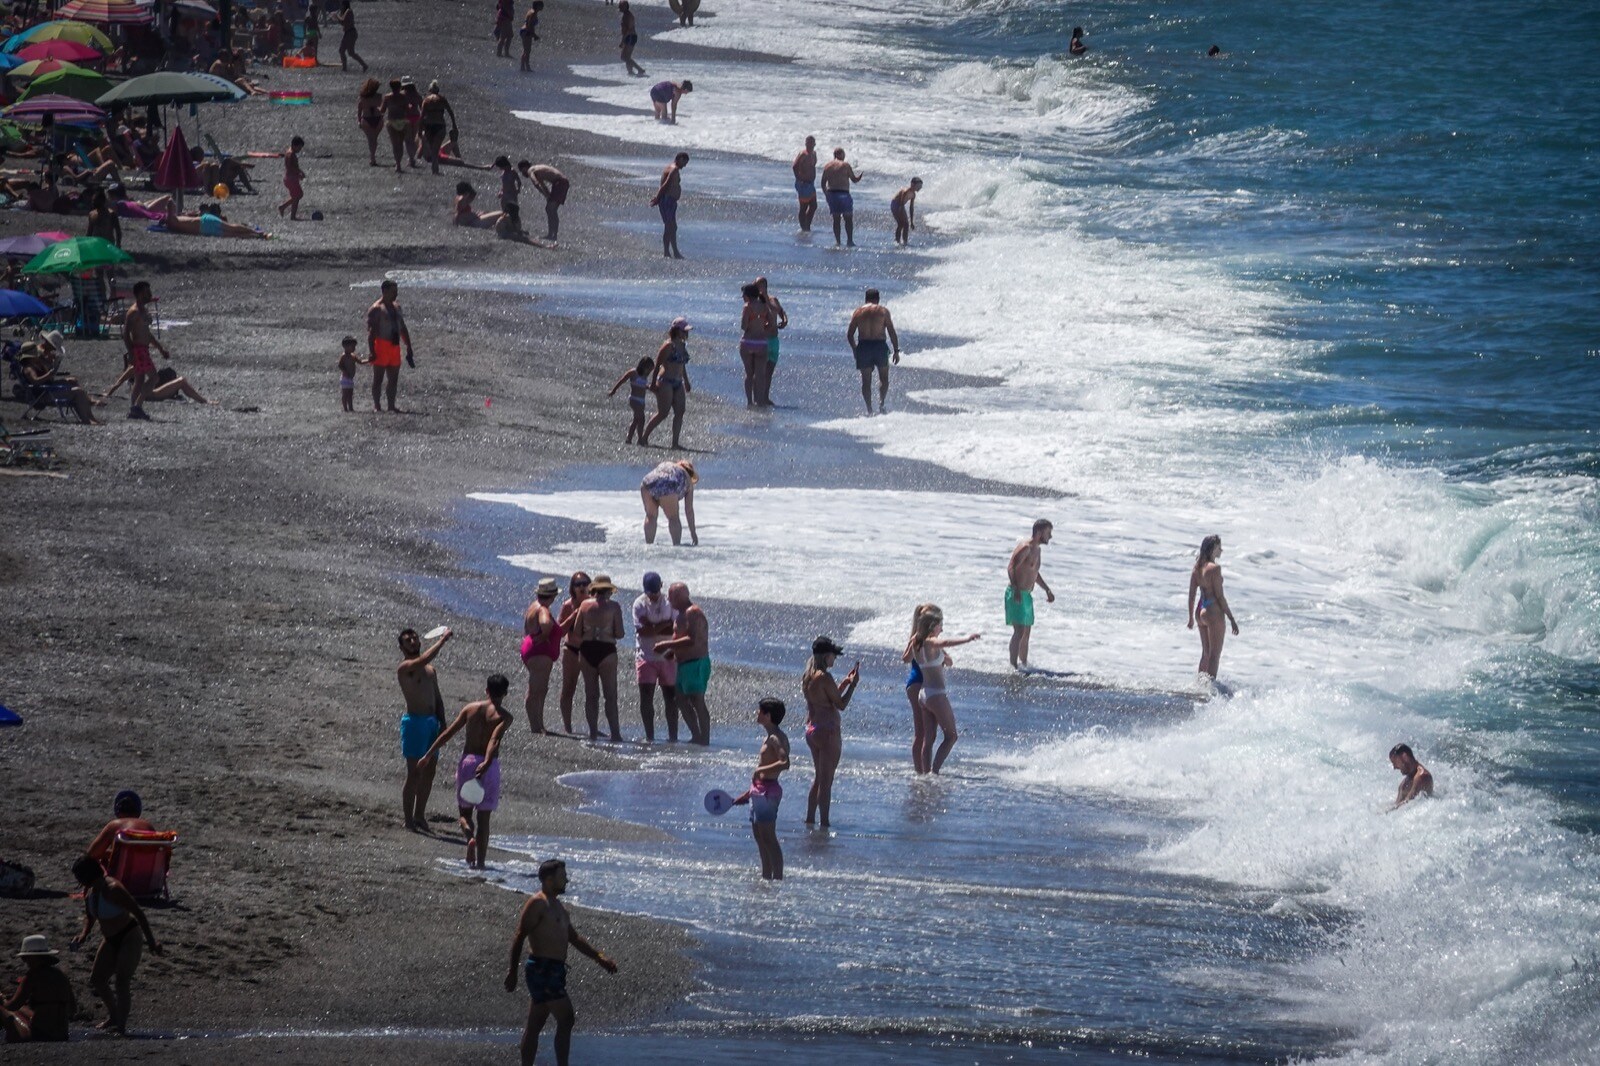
(923, 727)
(661, 490)
(1206, 579)
(926, 649)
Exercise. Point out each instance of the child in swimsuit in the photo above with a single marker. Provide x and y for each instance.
(638, 382)
(348, 361)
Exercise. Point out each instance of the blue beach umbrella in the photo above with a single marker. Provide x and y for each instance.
(14, 304)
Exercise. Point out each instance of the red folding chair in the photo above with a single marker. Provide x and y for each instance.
(140, 859)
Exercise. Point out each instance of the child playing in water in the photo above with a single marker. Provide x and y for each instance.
(765, 793)
(348, 361)
(292, 177)
(638, 381)
(904, 209)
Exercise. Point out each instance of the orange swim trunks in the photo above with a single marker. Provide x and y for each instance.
(385, 353)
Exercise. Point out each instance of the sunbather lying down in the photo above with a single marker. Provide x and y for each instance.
(206, 224)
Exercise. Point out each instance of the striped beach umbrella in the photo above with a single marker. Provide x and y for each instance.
(108, 12)
(60, 30)
(65, 109)
(37, 68)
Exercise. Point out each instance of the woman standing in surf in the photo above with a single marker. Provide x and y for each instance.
(923, 727)
(566, 619)
(926, 649)
(541, 647)
(825, 698)
(1206, 579)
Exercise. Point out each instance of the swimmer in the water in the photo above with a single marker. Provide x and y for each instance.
(1076, 45)
(1206, 579)
(1417, 781)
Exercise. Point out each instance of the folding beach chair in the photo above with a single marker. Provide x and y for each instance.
(140, 860)
(35, 395)
(31, 445)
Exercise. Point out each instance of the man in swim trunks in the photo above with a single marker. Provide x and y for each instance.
(666, 201)
(386, 330)
(690, 647)
(547, 928)
(435, 108)
(630, 38)
(653, 619)
(553, 186)
(837, 177)
(139, 338)
(904, 210)
(1417, 781)
(870, 324)
(421, 723)
(485, 722)
(805, 183)
(1022, 574)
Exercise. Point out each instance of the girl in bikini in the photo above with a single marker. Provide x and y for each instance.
(923, 726)
(638, 382)
(671, 384)
(1213, 612)
(825, 698)
(369, 115)
(926, 648)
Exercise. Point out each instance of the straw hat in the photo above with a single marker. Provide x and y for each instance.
(602, 583)
(548, 587)
(55, 340)
(36, 947)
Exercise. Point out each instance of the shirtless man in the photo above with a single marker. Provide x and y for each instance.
(666, 201)
(1417, 781)
(421, 723)
(904, 209)
(805, 183)
(485, 722)
(630, 38)
(837, 177)
(547, 928)
(1022, 575)
(870, 324)
(765, 793)
(386, 330)
(553, 186)
(690, 648)
(434, 124)
(139, 339)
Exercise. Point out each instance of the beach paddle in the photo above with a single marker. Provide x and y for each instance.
(472, 792)
(436, 632)
(718, 802)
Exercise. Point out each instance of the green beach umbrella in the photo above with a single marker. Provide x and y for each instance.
(171, 87)
(79, 253)
(71, 80)
(62, 30)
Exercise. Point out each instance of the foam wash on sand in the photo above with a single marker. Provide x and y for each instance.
(1337, 315)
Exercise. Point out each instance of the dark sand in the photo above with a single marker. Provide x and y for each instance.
(205, 608)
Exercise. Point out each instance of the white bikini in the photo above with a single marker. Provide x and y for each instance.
(931, 662)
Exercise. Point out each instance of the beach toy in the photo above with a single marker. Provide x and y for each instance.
(436, 632)
(293, 62)
(316, 216)
(221, 191)
(295, 97)
(718, 802)
(471, 792)
(8, 716)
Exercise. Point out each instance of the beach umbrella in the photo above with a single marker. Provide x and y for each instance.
(34, 68)
(172, 87)
(108, 12)
(76, 254)
(195, 9)
(60, 30)
(66, 110)
(71, 51)
(30, 246)
(175, 170)
(14, 304)
(75, 82)
(7, 61)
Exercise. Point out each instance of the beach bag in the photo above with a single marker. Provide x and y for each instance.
(16, 880)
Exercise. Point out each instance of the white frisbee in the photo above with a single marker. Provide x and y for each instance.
(436, 632)
(718, 802)
(472, 792)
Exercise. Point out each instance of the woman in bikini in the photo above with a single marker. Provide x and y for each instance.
(926, 648)
(755, 327)
(671, 384)
(567, 619)
(126, 931)
(396, 119)
(599, 628)
(369, 115)
(541, 647)
(825, 698)
(923, 726)
(347, 38)
(437, 118)
(1213, 613)
(464, 214)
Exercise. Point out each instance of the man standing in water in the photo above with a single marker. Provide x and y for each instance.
(421, 723)
(386, 330)
(805, 183)
(837, 177)
(690, 647)
(1417, 781)
(486, 723)
(666, 201)
(547, 928)
(869, 327)
(1022, 574)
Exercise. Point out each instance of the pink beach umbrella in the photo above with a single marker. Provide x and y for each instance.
(70, 51)
(175, 170)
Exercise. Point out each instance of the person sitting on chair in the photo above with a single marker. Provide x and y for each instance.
(127, 811)
(43, 369)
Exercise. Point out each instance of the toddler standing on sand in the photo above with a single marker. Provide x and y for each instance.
(348, 361)
(638, 381)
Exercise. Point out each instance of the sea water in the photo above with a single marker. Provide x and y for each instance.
(1331, 296)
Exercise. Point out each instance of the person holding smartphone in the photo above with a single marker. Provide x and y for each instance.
(825, 698)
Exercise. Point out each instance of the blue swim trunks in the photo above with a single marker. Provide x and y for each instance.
(840, 202)
(806, 190)
(417, 734)
(210, 226)
(668, 206)
(872, 353)
(546, 979)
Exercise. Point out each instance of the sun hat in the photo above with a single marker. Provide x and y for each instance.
(55, 340)
(680, 323)
(37, 947)
(825, 646)
(548, 587)
(652, 582)
(602, 583)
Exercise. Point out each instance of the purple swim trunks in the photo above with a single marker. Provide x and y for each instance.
(490, 780)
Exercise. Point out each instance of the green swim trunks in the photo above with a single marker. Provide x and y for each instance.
(772, 349)
(1019, 607)
(693, 676)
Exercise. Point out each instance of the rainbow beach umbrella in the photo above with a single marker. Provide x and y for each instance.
(108, 12)
(60, 30)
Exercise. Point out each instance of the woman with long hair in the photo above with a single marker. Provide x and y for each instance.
(1206, 579)
(755, 325)
(541, 647)
(671, 381)
(126, 932)
(369, 115)
(825, 698)
(926, 648)
(567, 619)
(599, 627)
(923, 726)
